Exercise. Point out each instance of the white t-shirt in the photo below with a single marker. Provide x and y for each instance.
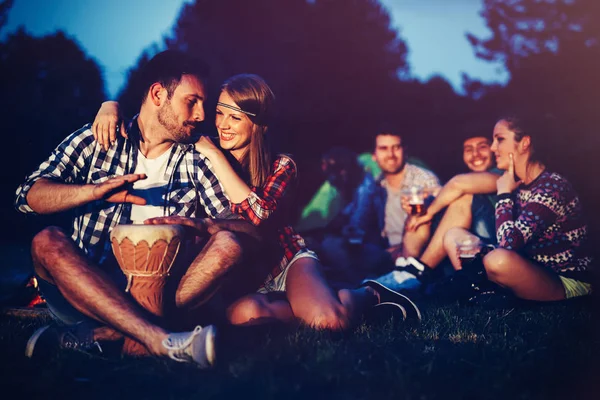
(153, 188)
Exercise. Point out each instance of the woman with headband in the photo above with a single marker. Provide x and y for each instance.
(296, 288)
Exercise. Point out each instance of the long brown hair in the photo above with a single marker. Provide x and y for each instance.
(252, 94)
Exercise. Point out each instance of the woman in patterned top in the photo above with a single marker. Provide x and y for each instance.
(295, 288)
(539, 222)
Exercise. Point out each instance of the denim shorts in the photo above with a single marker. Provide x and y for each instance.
(483, 222)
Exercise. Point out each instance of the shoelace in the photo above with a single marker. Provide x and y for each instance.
(72, 341)
(177, 344)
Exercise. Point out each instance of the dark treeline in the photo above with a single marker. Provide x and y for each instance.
(339, 72)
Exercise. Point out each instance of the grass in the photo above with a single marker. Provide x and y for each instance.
(458, 352)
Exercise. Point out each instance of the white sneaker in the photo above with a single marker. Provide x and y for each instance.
(197, 346)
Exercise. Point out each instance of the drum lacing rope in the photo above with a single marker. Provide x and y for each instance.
(130, 274)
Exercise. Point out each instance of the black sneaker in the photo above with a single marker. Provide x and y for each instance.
(387, 295)
(384, 312)
(52, 337)
(417, 268)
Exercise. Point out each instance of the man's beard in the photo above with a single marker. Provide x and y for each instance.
(179, 133)
(395, 171)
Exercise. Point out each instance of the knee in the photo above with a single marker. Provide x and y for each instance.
(248, 309)
(450, 238)
(497, 263)
(333, 317)
(227, 242)
(47, 241)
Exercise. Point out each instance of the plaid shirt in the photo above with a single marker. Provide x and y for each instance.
(262, 202)
(79, 159)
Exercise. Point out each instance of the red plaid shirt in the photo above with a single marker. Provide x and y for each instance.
(262, 202)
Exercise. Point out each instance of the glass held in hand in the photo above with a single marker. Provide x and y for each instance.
(416, 199)
(468, 248)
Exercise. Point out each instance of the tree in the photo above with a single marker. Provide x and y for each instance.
(522, 28)
(50, 89)
(552, 51)
(5, 6)
(331, 64)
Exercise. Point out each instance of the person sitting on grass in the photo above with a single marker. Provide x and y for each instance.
(295, 289)
(473, 210)
(541, 233)
(78, 275)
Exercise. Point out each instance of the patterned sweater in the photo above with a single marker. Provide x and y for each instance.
(543, 221)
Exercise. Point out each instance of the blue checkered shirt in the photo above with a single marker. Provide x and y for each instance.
(79, 159)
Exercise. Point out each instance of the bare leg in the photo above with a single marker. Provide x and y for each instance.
(258, 307)
(90, 290)
(203, 277)
(316, 304)
(450, 239)
(309, 299)
(458, 214)
(526, 279)
(413, 242)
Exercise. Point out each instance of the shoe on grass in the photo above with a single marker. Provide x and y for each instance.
(384, 312)
(52, 337)
(197, 346)
(413, 268)
(387, 295)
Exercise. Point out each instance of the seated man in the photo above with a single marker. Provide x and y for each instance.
(473, 209)
(76, 270)
(374, 234)
(343, 174)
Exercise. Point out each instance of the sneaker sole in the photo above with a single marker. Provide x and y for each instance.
(395, 306)
(411, 308)
(209, 342)
(33, 340)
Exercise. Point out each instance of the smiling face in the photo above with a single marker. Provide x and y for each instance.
(182, 113)
(504, 144)
(234, 127)
(477, 154)
(389, 153)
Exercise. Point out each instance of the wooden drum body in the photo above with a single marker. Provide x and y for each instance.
(148, 255)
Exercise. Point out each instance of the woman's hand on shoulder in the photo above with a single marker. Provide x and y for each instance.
(106, 122)
(206, 146)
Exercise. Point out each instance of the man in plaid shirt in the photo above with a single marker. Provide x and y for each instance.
(77, 274)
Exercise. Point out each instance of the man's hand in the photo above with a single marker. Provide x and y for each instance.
(198, 225)
(506, 183)
(405, 204)
(415, 221)
(116, 190)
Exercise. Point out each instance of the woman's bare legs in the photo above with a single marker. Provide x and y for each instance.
(309, 299)
(508, 269)
(527, 280)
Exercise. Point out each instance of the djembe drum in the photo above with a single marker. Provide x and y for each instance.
(148, 255)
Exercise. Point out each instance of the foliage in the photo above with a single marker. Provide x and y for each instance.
(552, 50)
(50, 89)
(522, 28)
(5, 6)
